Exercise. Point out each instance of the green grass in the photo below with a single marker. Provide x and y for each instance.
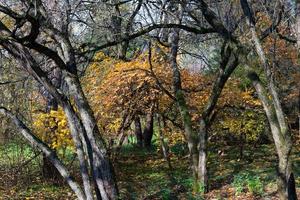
(144, 174)
(14, 150)
(151, 177)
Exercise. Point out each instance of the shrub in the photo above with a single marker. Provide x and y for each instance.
(247, 181)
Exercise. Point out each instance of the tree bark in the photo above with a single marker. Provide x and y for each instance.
(138, 131)
(104, 174)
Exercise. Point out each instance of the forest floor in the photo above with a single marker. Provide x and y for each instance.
(144, 175)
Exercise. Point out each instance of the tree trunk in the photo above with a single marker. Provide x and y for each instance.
(202, 165)
(138, 131)
(191, 136)
(275, 115)
(285, 177)
(49, 172)
(77, 135)
(48, 169)
(103, 170)
(164, 146)
(228, 64)
(148, 130)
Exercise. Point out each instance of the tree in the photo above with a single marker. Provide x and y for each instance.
(273, 108)
(84, 130)
(279, 129)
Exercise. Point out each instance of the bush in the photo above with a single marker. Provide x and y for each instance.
(254, 185)
(247, 181)
(238, 183)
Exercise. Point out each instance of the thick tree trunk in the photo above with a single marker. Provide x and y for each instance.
(138, 131)
(103, 170)
(148, 130)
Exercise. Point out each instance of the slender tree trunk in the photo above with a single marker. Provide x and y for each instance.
(79, 149)
(48, 169)
(241, 143)
(138, 131)
(191, 136)
(202, 165)
(285, 178)
(164, 146)
(275, 115)
(228, 64)
(121, 138)
(148, 130)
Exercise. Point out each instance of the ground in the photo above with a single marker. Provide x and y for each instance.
(144, 174)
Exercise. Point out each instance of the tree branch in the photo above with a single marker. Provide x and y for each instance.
(147, 30)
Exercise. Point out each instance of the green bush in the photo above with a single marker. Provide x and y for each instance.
(255, 185)
(238, 183)
(252, 183)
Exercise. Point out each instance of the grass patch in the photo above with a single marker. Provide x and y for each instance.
(144, 174)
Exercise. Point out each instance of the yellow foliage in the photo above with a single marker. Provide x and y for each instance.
(249, 123)
(53, 129)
